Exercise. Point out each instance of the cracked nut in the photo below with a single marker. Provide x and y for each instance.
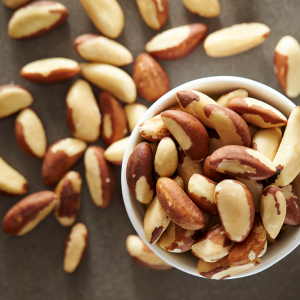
(115, 152)
(206, 9)
(133, 114)
(238, 93)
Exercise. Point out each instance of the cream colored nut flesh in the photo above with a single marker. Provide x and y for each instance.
(267, 141)
(11, 181)
(139, 251)
(107, 16)
(272, 209)
(101, 49)
(236, 209)
(30, 133)
(154, 12)
(235, 39)
(115, 152)
(287, 158)
(111, 79)
(50, 70)
(26, 214)
(222, 268)
(178, 180)
(155, 221)
(204, 8)
(193, 102)
(214, 141)
(133, 114)
(12, 99)
(257, 112)
(238, 93)
(75, 247)
(166, 158)
(83, 115)
(14, 3)
(264, 250)
(287, 65)
(36, 18)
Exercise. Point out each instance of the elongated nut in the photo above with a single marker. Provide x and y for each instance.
(187, 167)
(166, 158)
(133, 114)
(59, 158)
(177, 42)
(236, 209)
(211, 173)
(154, 13)
(50, 70)
(206, 8)
(68, 196)
(267, 141)
(287, 65)
(189, 133)
(111, 79)
(107, 16)
(12, 99)
(178, 206)
(257, 112)
(193, 102)
(13, 4)
(36, 18)
(178, 180)
(248, 250)
(100, 176)
(238, 93)
(30, 133)
(75, 247)
(177, 239)
(242, 162)
(139, 251)
(11, 181)
(83, 115)
(150, 78)
(97, 48)
(213, 245)
(28, 213)
(272, 209)
(139, 173)
(156, 221)
(202, 191)
(115, 152)
(292, 216)
(114, 125)
(231, 128)
(222, 268)
(287, 158)
(235, 39)
(154, 129)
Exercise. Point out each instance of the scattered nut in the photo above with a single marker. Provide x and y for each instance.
(30, 133)
(238, 93)
(206, 8)
(28, 213)
(133, 114)
(115, 152)
(13, 4)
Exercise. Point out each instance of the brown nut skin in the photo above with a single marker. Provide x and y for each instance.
(53, 8)
(100, 176)
(213, 245)
(194, 33)
(236, 209)
(292, 216)
(150, 78)
(189, 133)
(68, 196)
(212, 174)
(139, 251)
(28, 213)
(114, 123)
(248, 250)
(57, 161)
(242, 162)
(139, 173)
(177, 239)
(178, 206)
(232, 129)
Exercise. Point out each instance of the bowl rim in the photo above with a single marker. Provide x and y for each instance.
(238, 81)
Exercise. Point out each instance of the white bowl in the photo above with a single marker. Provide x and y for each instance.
(214, 87)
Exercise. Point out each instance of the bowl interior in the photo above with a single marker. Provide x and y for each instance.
(214, 87)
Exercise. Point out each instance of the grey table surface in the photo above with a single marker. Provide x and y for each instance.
(31, 266)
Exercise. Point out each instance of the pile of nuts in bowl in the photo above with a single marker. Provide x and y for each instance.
(219, 178)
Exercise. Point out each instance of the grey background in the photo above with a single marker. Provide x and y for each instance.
(31, 266)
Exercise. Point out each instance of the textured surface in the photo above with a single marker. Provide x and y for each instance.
(31, 266)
